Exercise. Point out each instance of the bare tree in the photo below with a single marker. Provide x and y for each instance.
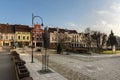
(100, 39)
(104, 39)
(88, 30)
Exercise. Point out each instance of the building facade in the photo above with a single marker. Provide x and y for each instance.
(38, 36)
(22, 35)
(58, 35)
(7, 35)
(69, 38)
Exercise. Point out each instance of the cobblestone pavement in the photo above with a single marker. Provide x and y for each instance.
(86, 68)
(35, 68)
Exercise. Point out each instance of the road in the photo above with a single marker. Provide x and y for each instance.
(6, 66)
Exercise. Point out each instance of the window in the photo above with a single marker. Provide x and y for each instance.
(6, 37)
(18, 37)
(27, 37)
(0, 37)
(23, 37)
(37, 38)
(55, 39)
(40, 39)
(40, 35)
(33, 38)
(52, 38)
(36, 33)
(11, 37)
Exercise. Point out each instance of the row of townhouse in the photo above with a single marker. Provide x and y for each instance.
(69, 38)
(73, 39)
(15, 34)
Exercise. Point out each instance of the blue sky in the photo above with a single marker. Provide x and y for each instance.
(101, 15)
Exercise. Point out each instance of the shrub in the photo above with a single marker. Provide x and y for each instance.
(59, 49)
(20, 45)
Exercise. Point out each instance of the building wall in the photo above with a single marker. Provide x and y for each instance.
(24, 37)
(7, 39)
(1, 42)
(57, 36)
(7, 34)
(37, 35)
(53, 39)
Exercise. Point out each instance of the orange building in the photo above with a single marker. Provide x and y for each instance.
(37, 36)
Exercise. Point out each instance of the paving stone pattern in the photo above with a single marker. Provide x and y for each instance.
(79, 68)
(35, 67)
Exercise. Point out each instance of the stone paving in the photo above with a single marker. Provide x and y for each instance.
(86, 67)
(97, 67)
(35, 67)
(104, 69)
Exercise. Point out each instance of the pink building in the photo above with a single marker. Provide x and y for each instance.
(37, 36)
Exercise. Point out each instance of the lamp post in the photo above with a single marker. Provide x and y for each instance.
(33, 17)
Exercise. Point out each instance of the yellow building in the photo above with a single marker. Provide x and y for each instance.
(24, 37)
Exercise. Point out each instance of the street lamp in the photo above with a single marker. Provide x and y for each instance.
(33, 17)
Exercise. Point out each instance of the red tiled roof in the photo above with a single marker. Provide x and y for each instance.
(22, 28)
(6, 28)
(52, 29)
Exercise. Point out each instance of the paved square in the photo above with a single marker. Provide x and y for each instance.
(37, 66)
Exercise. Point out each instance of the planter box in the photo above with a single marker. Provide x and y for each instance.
(27, 78)
(21, 67)
(22, 73)
(21, 70)
(19, 62)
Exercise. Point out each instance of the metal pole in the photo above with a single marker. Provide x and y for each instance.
(32, 36)
(45, 60)
(32, 32)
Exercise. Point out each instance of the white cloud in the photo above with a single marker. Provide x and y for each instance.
(71, 24)
(105, 27)
(103, 22)
(102, 12)
(116, 7)
(109, 19)
(79, 28)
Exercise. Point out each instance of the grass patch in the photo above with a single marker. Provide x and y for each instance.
(110, 52)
